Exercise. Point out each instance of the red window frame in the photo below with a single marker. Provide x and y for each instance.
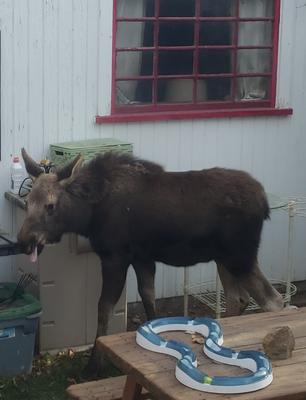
(194, 109)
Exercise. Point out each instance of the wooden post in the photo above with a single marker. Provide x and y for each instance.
(132, 389)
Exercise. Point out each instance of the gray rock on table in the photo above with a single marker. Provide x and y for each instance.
(279, 343)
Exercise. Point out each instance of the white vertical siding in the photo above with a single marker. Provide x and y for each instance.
(35, 86)
(7, 133)
(56, 76)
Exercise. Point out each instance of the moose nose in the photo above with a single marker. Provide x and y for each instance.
(26, 240)
(26, 247)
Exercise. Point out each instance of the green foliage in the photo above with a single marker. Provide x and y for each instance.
(50, 377)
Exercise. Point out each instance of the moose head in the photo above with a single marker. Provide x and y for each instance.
(53, 208)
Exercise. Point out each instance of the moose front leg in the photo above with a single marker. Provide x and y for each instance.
(145, 273)
(114, 272)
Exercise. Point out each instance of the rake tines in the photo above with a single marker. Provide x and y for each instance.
(22, 284)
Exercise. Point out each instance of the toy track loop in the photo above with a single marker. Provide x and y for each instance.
(186, 370)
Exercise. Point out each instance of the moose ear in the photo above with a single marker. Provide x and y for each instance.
(70, 170)
(32, 167)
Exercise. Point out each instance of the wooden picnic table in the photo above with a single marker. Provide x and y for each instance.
(155, 372)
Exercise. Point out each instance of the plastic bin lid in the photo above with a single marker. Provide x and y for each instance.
(89, 143)
(24, 305)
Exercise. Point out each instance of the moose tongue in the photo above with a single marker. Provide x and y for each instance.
(33, 255)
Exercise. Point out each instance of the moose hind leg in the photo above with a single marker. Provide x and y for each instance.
(266, 296)
(114, 272)
(236, 297)
(145, 273)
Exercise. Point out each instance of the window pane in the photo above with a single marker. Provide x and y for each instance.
(176, 33)
(177, 8)
(133, 92)
(175, 90)
(135, 8)
(218, 8)
(255, 33)
(175, 62)
(252, 88)
(215, 61)
(134, 34)
(256, 9)
(254, 61)
(134, 63)
(214, 89)
(216, 33)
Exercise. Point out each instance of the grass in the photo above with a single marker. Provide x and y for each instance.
(50, 377)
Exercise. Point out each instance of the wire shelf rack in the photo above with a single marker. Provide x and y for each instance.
(207, 294)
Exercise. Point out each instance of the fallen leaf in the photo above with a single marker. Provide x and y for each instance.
(70, 353)
(197, 339)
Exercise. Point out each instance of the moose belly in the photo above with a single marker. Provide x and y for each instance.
(186, 253)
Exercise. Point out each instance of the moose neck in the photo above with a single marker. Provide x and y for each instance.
(79, 219)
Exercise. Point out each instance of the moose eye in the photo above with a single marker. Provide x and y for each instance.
(49, 208)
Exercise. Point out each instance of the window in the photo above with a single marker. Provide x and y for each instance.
(184, 55)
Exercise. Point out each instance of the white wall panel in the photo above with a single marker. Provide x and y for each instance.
(35, 88)
(7, 115)
(56, 76)
(50, 71)
(65, 70)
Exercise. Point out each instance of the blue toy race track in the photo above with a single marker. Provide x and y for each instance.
(186, 368)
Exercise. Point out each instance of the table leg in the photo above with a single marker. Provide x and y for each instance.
(132, 389)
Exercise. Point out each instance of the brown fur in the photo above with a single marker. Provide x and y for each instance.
(135, 213)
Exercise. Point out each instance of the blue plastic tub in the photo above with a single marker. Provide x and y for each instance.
(18, 326)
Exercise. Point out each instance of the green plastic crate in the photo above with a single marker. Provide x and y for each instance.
(61, 153)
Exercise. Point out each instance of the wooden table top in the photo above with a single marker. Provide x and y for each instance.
(156, 371)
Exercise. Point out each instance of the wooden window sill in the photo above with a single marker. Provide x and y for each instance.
(195, 114)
